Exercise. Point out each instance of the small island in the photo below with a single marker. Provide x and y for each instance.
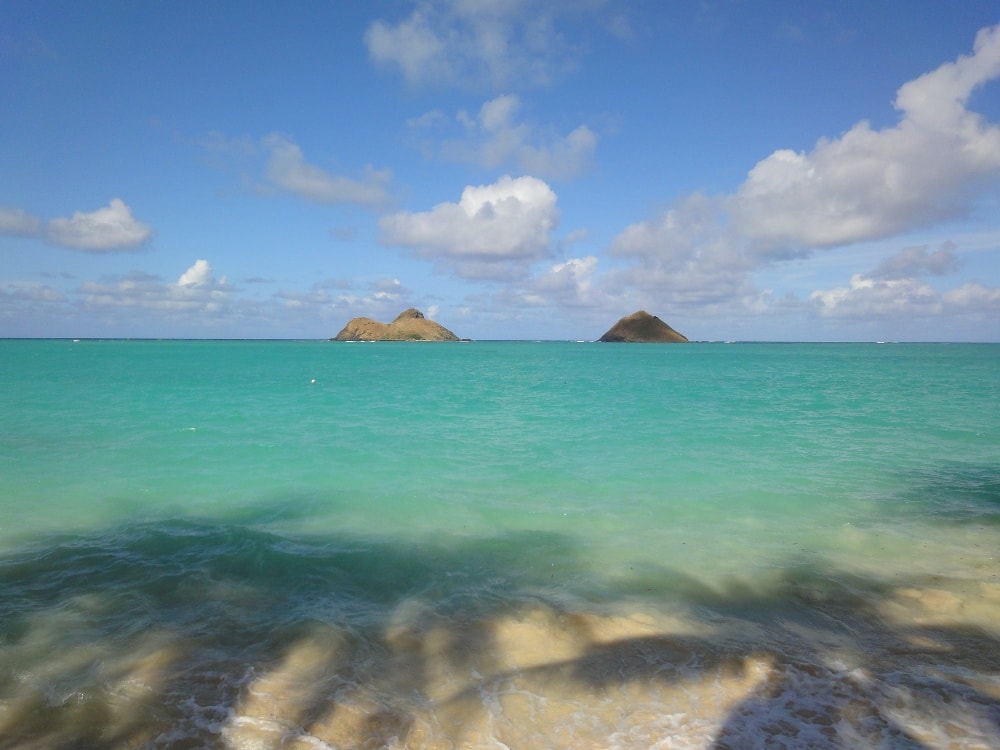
(409, 325)
(641, 327)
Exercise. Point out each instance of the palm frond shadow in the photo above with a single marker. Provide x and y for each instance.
(209, 635)
(836, 673)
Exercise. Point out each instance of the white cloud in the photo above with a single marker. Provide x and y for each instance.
(494, 232)
(973, 297)
(106, 230)
(871, 184)
(867, 298)
(418, 49)
(196, 303)
(484, 43)
(933, 165)
(562, 158)
(19, 223)
(345, 294)
(196, 291)
(288, 170)
(200, 274)
(686, 257)
(893, 290)
(566, 284)
(495, 137)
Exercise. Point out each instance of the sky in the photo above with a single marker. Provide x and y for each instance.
(515, 169)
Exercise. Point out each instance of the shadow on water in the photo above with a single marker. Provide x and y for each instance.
(959, 492)
(211, 635)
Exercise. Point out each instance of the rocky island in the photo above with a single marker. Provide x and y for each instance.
(409, 325)
(641, 327)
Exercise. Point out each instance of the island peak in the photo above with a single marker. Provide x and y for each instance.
(641, 327)
(410, 314)
(409, 325)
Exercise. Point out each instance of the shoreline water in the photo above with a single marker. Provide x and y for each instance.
(225, 639)
(292, 545)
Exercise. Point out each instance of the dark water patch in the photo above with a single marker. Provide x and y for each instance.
(956, 492)
(175, 565)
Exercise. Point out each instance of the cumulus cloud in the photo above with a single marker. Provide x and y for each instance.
(476, 44)
(195, 291)
(495, 137)
(868, 184)
(106, 230)
(19, 223)
(494, 231)
(198, 275)
(686, 254)
(288, 170)
(871, 184)
(570, 283)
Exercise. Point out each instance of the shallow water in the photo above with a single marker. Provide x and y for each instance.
(306, 544)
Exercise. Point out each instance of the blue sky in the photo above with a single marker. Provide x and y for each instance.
(514, 168)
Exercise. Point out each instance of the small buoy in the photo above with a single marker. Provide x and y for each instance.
(313, 380)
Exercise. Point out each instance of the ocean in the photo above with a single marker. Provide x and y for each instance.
(311, 544)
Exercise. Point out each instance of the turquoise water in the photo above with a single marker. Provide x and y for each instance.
(264, 544)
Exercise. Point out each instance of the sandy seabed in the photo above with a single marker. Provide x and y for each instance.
(818, 666)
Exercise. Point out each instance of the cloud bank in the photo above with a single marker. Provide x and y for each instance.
(196, 291)
(933, 165)
(896, 288)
